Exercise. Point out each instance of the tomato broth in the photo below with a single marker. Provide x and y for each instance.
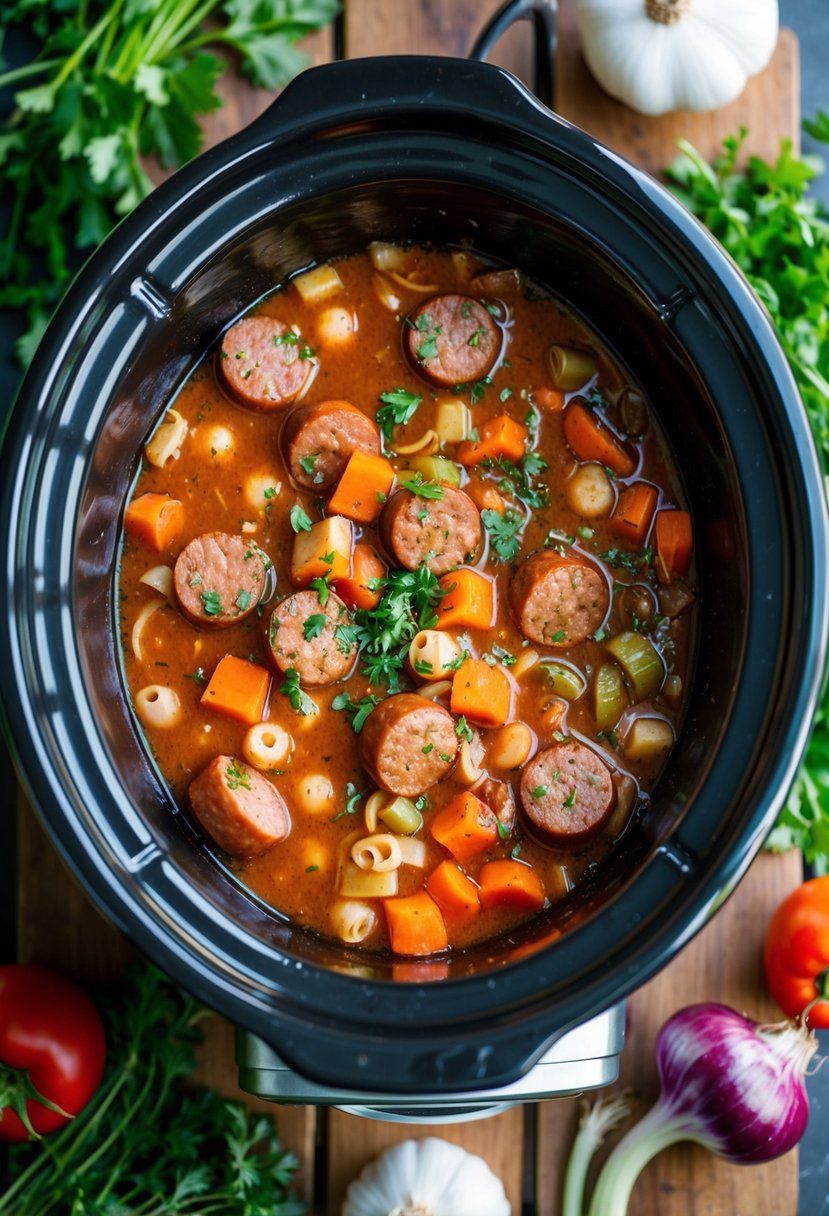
(571, 677)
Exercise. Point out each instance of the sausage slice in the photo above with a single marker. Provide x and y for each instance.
(440, 533)
(451, 339)
(568, 793)
(498, 797)
(558, 601)
(310, 638)
(408, 744)
(219, 579)
(263, 363)
(243, 812)
(317, 441)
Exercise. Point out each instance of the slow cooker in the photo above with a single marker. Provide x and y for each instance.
(441, 151)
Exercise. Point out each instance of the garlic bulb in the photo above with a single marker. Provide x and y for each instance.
(428, 1177)
(662, 55)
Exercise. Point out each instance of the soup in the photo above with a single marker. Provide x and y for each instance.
(404, 600)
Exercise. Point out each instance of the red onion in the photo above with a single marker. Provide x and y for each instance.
(728, 1083)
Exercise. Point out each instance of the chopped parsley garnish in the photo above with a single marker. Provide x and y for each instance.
(236, 778)
(462, 729)
(301, 703)
(422, 667)
(289, 338)
(269, 492)
(624, 559)
(570, 800)
(505, 394)
(559, 635)
(307, 463)
(398, 407)
(427, 747)
(517, 479)
(428, 348)
(198, 676)
(474, 338)
(212, 602)
(243, 600)
(313, 626)
(445, 757)
(503, 830)
(322, 588)
(196, 579)
(359, 710)
(540, 791)
(300, 519)
(504, 532)
(385, 632)
(311, 869)
(306, 352)
(346, 638)
(515, 853)
(424, 489)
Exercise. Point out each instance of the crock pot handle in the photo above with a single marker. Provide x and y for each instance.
(542, 13)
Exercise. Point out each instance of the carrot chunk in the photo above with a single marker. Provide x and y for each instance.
(354, 590)
(633, 512)
(363, 487)
(551, 399)
(238, 689)
(592, 439)
(155, 520)
(501, 436)
(466, 826)
(453, 891)
(325, 549)
(469, 602)
(674, 543)
(481, 693)
(416, 924)
(510, 884)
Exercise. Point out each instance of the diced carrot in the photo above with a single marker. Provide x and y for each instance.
(511, 884)
(501, 436)
(485, 496)
(481, 693)
(416, 924)
(324, 550)
(155, 520)
(365, 567)
(453, 891)
(674, 543)
(465, 826)
(363, 487)
(592, 439)
(551, 399)
(633, 512)
(469, 602)
(238, 689)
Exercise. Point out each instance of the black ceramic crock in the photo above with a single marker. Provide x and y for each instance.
(434, 150)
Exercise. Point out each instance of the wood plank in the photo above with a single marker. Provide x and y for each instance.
(723, 963)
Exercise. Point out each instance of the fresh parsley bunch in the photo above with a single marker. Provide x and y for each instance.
(779, 236)
(146, 1145)
(113, 83)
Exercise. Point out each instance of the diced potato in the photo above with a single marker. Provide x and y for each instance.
(318, 284)
(589, 492)
(216, 440)
(648, 737)
(435, 468)
(261, 489)
(324, 550)
(453, 421)
(366, 884)
(385, 256)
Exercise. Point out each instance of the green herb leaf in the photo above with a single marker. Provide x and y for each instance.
(301, 703)
(300, 519)
(211, 602)
(398, 407)
(504, 531)
(422, 488)
(359, 710)
(313, 626)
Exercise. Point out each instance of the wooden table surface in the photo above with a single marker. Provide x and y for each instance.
(525, 1146)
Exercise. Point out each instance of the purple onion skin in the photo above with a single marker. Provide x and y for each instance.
(737, 1087)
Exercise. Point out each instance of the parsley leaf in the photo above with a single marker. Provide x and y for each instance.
(313, 625)
(504, 531)
(385, 632)
(111, 84)
(359, 710)
(397, 408)
(300, 519)
(301, 703)
(422, 488)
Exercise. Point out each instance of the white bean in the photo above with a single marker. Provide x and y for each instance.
(511, 745)
(315, 793)
(217, 440)
(336, 326)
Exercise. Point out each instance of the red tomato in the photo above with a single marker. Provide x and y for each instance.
(51, 1041)
(796, 952)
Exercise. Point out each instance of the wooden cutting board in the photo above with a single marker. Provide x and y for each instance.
(58, 925)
